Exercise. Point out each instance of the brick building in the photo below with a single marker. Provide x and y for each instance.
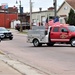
(7, 15)
(10, 14)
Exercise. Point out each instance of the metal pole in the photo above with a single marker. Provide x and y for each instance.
(55, 8)
(20, 17)
(30, 14)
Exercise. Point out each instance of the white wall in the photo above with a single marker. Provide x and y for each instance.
(62, 20)
(41, 16)
(13, 23)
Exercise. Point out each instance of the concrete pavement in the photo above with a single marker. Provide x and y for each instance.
(7, 70)
(9, 66)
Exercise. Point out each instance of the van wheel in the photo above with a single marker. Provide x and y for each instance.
(73, 42)
(36, 43)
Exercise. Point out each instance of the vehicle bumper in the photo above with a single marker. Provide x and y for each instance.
(2, 36)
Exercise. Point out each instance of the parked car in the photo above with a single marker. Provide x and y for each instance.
(0, 38)
(25, 25)
(4, 33)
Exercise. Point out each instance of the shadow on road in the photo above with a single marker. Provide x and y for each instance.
(61, 45)
(5, 39)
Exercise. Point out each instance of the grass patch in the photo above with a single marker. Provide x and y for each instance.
(24, 32)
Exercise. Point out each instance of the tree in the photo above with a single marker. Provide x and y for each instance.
(71, 17)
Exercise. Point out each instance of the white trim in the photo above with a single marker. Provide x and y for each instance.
(60, 40)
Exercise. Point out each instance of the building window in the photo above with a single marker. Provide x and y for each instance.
(66, 8)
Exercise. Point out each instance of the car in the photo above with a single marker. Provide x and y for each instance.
(25, 25)
(2, 36)
(5, 33)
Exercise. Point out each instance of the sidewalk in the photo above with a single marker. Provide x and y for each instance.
(9, 66)
(7, 70)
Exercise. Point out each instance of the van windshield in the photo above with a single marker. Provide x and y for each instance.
(71, 28)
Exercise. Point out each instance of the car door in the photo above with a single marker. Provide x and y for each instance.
(64, 34)
(55, 34)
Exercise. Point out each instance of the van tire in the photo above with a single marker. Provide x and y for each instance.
(36, 43)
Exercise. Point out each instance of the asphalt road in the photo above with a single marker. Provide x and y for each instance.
(57, 60)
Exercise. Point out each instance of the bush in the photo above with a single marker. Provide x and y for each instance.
(71, 17)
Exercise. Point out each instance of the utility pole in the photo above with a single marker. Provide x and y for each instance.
(30, 14)
(20, 16)
(55, 7)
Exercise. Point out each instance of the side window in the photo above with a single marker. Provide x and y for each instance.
(56, 29)
(63, 30)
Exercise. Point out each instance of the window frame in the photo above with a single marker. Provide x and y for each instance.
(55, 30)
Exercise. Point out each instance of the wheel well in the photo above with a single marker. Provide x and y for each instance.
(35, 39)
(72, 38)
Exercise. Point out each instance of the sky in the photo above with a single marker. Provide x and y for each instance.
(36, 4)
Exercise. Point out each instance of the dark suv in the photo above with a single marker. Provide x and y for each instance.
(25, 25)
(5, 33)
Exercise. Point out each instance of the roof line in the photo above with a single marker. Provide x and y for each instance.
(61, 6)
(69, 5)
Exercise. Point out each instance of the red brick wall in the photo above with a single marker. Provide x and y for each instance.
(1, 20)
(5, 19)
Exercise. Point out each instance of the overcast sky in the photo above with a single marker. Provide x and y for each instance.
(44, 4)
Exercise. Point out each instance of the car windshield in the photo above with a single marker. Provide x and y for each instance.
(71, 28)
(3, 29)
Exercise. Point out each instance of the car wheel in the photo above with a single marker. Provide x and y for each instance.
(18, 29)
(0, 39)
(73, 42)
(35, 43)
(11, 38)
